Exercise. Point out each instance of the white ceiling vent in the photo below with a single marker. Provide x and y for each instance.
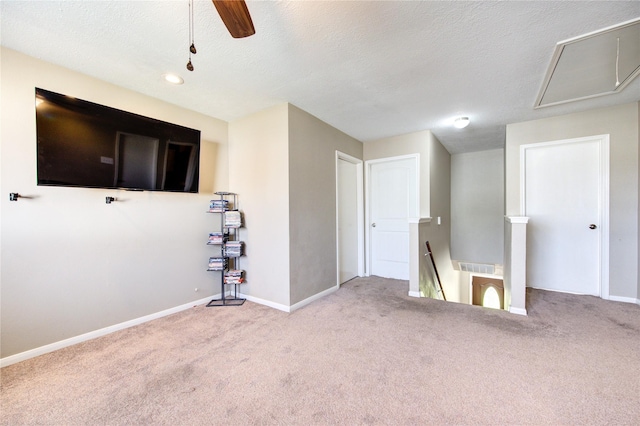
(595, 64)
(480, 268)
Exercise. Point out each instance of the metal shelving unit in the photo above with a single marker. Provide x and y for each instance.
(231, 249)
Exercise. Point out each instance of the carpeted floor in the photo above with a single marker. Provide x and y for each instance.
(366, 354)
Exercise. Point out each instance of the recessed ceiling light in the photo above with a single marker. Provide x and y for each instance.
(173, 78)
(461, 122)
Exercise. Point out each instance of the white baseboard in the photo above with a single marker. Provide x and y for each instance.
(265, 302)
(32, 353)
(313, 298)
(414, 293)
(293, 307)
(624, 299)
(518, 311)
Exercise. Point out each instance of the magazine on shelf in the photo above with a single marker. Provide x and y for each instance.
(234, 248)
(232, 219)
(218, 206)
(234, 276)
(217, 263)
(216, 238)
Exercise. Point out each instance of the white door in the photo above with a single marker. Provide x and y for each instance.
(347, 209)
(393, 199)
(564, 192)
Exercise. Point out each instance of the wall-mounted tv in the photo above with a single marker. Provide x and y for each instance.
(84, 144)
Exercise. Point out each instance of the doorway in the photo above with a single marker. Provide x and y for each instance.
(136, 161)
(487, 291)
(565, 195)
(392, 198)
(349, 218)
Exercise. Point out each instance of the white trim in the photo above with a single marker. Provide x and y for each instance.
(624, 299)
(600, 31)
(557, 53)
(483, 275)
(517, 219)
(367, 180)
(603, 197)
(419, 220)
(360, 212)
(293, 307)
(32, 353)
(274, 305)
(604, 211)
(414, 293)
(518, 311)
(313, 298)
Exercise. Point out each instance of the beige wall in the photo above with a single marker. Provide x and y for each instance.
(621, 123)
(286, 182)
(439, 235)
(72, 264)
(477, 206)
(259, 174)
(312, 207)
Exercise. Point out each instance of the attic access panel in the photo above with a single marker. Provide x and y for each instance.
(591, 65)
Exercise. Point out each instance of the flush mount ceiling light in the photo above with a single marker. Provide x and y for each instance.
(461, 122)
(173, 78)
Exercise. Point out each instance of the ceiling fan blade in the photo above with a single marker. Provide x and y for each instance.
(235, 15)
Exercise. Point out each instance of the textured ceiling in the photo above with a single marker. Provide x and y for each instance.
(371, 69)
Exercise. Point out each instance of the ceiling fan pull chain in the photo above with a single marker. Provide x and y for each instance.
(192, 47)
(617, 64)
(192, 30)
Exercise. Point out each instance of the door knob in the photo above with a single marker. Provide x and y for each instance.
(373, 225)
(592, 226)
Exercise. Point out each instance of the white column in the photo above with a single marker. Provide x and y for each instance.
(416, 254)
(515, 264)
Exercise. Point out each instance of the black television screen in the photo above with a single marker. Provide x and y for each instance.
(84, 144)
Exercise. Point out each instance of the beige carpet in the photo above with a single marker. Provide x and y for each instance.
(367, 354)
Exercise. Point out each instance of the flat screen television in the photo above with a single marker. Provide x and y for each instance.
(84, 144)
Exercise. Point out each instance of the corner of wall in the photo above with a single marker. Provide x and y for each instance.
(259, 174)
(312, 197)
(638, 264)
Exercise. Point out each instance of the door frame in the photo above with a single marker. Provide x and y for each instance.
(360, 213)
(367, 179)
(191, 168)
(603, 197)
